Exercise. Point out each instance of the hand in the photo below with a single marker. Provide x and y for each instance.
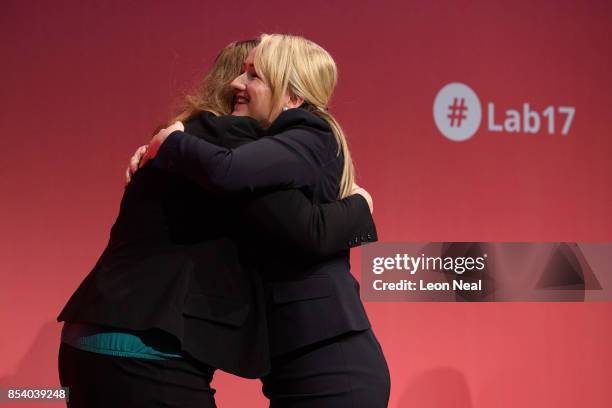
(133, 166)
(362, 191)
(158, 140)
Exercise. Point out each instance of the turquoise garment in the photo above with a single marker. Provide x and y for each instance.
(118, 342)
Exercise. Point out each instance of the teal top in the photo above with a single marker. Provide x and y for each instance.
(119, 342)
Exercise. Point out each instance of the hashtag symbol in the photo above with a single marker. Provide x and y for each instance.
(457, 112)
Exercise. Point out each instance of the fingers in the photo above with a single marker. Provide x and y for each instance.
(145, 158)
(134, 163)
(148, 153)
(363, 192)
(137, 158)
(178, 125)
(157, 140)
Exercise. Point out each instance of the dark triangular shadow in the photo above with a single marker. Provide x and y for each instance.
(567, 269)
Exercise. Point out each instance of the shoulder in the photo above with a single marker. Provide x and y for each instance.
(302, 131)
(208, 120)
(224, 127)
(298, 118)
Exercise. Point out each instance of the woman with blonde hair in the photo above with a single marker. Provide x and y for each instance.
(324, 353)
(174, 295)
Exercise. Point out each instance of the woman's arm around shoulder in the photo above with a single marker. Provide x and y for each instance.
(291, 158)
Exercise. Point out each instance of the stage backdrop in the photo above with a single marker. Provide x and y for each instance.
(524, 155)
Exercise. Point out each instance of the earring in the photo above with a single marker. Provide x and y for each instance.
(285, 108)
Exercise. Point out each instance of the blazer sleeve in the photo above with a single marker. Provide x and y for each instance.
(291, 221)
(291, 159)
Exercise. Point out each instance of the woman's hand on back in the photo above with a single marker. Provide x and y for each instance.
(144, 153)
(158, 140)
(362, 191)
(134, 161)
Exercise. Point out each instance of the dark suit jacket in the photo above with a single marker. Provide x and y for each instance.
(305, 302)
(173, 264)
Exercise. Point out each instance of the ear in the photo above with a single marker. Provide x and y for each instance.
(294, 102)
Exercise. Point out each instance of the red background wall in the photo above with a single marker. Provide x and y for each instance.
(84, 83)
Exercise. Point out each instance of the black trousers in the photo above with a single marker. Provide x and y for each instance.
(348, 371)
(98, 380)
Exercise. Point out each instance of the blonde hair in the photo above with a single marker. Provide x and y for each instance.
(301, 68)
(215, 93)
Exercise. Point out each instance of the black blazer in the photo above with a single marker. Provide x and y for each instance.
(173, 262)
(306, 302)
